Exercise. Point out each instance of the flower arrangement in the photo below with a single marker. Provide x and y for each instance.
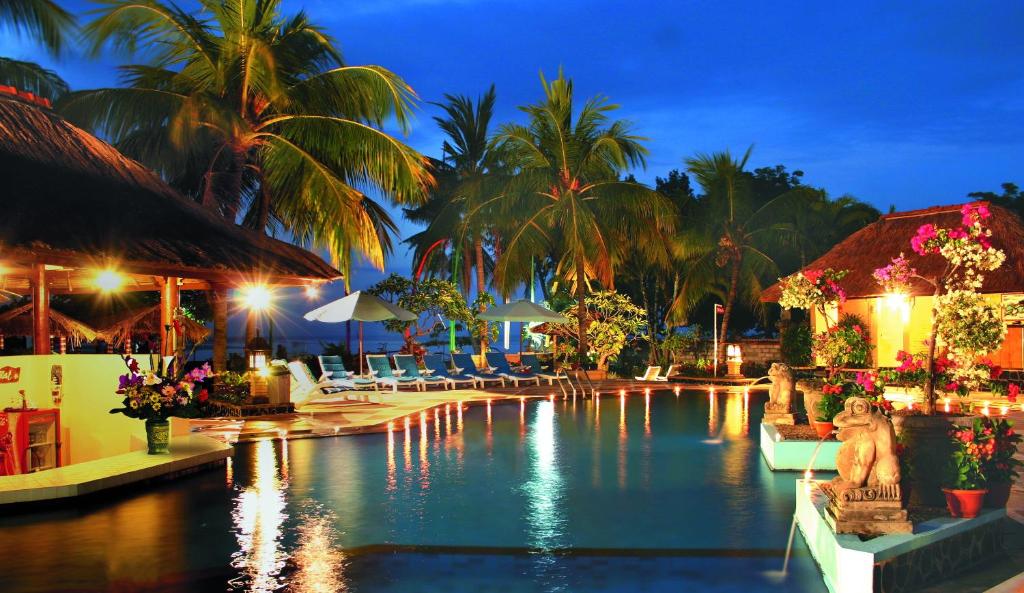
(830, 404)
(152, 397)
(871, 386)
(969, 327)
(911, 372)
(895, 278)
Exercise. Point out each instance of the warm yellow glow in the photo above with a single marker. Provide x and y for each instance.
(677, 390)
(899, 303)
(256, 297)
(108, 280)
(312, 291)
(808, 475)
(622, 393)
(263, 371)
(1003, 410)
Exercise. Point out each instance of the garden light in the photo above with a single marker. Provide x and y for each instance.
(312, 291)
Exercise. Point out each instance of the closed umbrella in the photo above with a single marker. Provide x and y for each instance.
(359, 306)
(523, 311)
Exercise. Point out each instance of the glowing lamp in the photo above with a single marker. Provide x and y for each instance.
(257, 352)
(256, 297)
(109, 280)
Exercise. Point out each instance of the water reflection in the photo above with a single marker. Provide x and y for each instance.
(544, 486)
(319, 562)
(259, 515)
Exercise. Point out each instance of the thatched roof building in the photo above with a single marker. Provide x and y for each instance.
(75, 203)
(875, 245)
(18, 322)
(120, 326)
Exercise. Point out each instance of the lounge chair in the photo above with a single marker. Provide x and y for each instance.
(651, 374)
(410, 368)
(668, 373)
(304, 388)
(499, 363)
(463, 363)
(436, 367)
(533, 363)
(383, 375)
(332, 370)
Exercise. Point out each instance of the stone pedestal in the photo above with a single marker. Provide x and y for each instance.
(778, 414)
(732, 369)
(869, 510)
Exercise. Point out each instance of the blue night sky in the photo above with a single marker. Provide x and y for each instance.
(911, 105)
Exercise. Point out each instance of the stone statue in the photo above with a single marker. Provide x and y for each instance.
(779, 407)
(866, 497)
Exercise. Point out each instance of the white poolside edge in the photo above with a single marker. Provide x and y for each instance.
(187, 452)
(847, 563)
(792, 455)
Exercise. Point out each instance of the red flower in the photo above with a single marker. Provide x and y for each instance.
(203, 395)
(1012, 391)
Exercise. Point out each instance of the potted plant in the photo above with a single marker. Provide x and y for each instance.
(1000, 468)
(965, 484)
(830, 404)
(155, 398)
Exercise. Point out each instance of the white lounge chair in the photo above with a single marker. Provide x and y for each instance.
(305, 389)
(651, 374)
(332, 370)
(671, 371)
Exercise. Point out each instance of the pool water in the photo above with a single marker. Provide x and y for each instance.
(635, 493)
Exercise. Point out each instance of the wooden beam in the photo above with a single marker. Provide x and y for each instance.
(170, 300)
(40, 311)
(219, 302)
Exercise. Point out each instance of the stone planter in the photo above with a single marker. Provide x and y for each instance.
(927, 442)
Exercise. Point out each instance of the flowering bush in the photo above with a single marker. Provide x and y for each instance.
(968, 326)
(830, 404)
(149, 396)
(966, 465)
(811, 289)
(895, 277)
(968, 248)
(871, 386)
(844, 345)
(911, 372)
(1001, 466)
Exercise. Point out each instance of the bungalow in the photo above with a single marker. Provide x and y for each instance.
(903, 321)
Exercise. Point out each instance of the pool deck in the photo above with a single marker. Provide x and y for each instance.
(187, 453)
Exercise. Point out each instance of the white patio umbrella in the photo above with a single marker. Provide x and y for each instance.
(359, 306)
(523, 311)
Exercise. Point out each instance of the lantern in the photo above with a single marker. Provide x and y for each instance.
(257, 351)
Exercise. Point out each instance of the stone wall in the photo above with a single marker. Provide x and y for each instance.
(761, 352)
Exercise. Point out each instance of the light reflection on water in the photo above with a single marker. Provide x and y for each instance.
(292, 513)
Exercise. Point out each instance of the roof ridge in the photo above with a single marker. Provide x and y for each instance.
(930, 210)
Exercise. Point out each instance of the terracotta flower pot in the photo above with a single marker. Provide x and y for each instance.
(998, 495)
(823, 428)
(964, 503)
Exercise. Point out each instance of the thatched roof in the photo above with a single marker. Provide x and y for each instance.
(117, 327)
(875, 245)
(72, 200)
(18, 322)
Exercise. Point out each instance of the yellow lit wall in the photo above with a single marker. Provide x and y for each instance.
(88, 430)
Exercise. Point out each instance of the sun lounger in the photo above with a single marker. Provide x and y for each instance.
(463, 363)
(533, 363)
(407, 363)
(651, 374)
(668, 373)
(383, 375)
(332, 370)
(436, 366)
(500, 364)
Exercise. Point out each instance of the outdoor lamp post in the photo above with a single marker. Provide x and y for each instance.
(257, 353)
(733, 360)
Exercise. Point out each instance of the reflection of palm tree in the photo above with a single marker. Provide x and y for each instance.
(566, 194)
(731, 236)
(254, 114)
(43, 21)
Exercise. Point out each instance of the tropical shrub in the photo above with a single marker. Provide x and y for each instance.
(795, 344)
(428, 299)
(971, 452)
(846, 344)
(614, 323)
(1001, 466)
(830, 404)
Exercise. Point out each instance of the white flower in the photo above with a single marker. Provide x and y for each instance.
(151, 379)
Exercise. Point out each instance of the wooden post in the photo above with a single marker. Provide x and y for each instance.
(169, 302)
(219, 297)
(40, 311)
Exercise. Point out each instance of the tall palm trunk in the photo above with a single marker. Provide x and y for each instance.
(581, 304)
(481, 284)
(734, 281)
(219, 298)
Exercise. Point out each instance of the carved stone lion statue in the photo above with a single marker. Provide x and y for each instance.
(867, 456)
(780, 396)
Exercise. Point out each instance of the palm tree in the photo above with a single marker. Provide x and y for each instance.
(42, 21)
(256, 115)
(726, 253)
(567, 196)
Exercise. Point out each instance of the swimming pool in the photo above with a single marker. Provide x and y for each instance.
(619, 494)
